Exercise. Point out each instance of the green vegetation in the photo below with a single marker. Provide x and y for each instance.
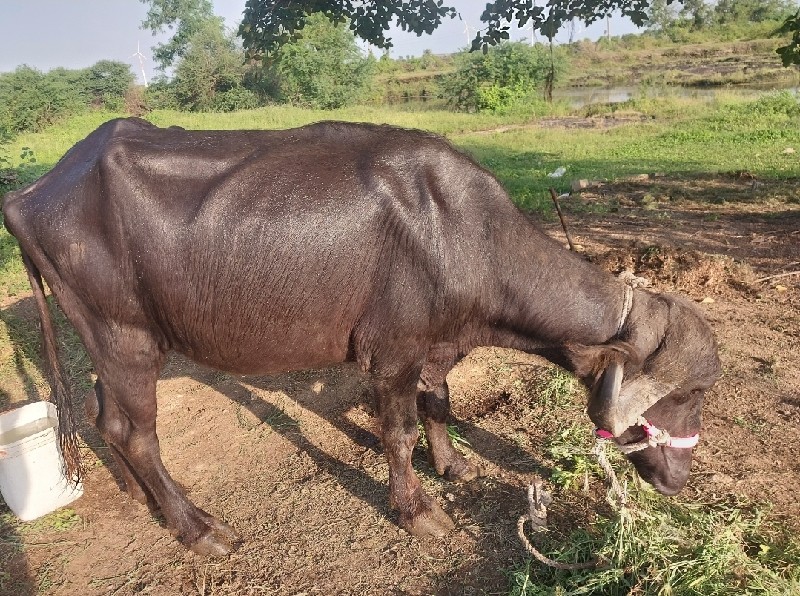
(208, 76)
(31, 100)
(323, 68)
(677, 145)
(651, 545)
(661, 546)
(699, 20)
(504, 77)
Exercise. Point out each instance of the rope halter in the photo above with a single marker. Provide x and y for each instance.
(654, 437)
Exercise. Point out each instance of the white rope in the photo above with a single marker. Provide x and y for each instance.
(538, 500)
(631, 282)
(614, 487)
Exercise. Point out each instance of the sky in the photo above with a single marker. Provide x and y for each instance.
(47, 34)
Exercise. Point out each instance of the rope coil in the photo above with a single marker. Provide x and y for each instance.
(539, 499)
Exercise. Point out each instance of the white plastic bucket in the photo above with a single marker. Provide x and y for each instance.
(32, 476)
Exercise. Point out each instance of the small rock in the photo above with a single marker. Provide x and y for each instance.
(780, 288)
(579, 185)
(720, 478)
(318, 387)
(707, 300)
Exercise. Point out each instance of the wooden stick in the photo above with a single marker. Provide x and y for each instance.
(776, 276)
(561, 217)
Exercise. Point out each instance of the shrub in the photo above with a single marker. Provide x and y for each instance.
(31, 100)
(324, 68)
(237, 98)
(499, 78)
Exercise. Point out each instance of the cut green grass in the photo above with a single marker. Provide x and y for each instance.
(654, 545)
(662, 546)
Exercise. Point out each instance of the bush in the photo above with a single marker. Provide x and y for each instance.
(324, 68)
(237, 98)
(31, 100)
(212, 65)
(160, 95)
(499, 78)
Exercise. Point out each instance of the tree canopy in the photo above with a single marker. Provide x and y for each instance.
(186, 17)
(269, 24)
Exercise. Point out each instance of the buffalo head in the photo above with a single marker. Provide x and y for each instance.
(654, 376)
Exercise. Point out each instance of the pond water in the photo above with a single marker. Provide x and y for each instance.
(579, 97)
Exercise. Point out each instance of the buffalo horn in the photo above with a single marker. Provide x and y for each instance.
(612, 382)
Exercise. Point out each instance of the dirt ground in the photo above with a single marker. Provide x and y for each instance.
(294, 464)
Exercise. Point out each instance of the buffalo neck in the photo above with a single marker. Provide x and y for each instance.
(546, 296)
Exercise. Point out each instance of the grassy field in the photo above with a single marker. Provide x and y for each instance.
(672, 137)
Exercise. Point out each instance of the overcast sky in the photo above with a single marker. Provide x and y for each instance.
(76, 33)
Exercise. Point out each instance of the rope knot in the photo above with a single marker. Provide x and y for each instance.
(629, 278)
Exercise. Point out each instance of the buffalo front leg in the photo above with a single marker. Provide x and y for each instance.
(126, 418)
(433, 404)
(419, 514)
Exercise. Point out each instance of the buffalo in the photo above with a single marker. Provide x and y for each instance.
(259, 252)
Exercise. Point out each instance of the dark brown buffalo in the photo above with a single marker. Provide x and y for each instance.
(257, 252)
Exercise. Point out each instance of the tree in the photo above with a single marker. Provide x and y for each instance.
(322, 68)
(107, 82)
(660, 15)
(187, 17)
(209, 74)
(753, 11)
(31, 100)
(268, 24)
(500, 78)
(698, 12)
(790, 53)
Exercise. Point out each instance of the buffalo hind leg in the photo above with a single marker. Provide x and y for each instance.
(433, 404)
(133, 485)
(127, 421)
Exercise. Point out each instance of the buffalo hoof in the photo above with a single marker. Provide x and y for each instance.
(219, 540)
(431, 521)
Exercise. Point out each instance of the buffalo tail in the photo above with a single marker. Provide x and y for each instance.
(67, 429)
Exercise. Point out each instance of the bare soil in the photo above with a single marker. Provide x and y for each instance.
(293, 462)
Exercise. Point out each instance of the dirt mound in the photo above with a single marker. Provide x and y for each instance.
(697, 274)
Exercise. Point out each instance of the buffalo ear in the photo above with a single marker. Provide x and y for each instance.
(589, 362)
(614, 406)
